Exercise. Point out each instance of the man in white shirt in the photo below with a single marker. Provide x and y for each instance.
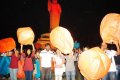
(46, 58)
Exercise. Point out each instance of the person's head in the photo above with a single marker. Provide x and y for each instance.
(103, 46)
(76, 50)
(47, 46)
(37, 55)
(54, 1)
(58, 51)
(16, 52)
(28, 51)
(85, 48)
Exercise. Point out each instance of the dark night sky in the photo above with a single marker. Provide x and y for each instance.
(81, 17)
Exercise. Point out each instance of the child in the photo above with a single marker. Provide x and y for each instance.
(21, 74)
(37, 67)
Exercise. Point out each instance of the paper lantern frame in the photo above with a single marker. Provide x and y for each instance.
(7, 44)
(94, 63)
(61, 38)
(25, 35)
(110, 29)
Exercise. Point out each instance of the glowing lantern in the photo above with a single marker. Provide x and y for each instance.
(62, 39)
(110, 29)
(25, 35)
(94, 64)
(7, 44)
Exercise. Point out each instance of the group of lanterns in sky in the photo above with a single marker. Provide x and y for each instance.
(93, 63)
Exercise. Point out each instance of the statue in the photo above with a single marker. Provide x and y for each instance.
(54, 9)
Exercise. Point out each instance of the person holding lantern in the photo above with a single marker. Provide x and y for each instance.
(28, 63)
(59, 65)
(26, 36)
(77, 52)
(4, 64)
(70, 67)
(111, 53)
(14, 65)
(46, 58)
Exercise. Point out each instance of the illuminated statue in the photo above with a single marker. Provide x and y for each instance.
(54, 9)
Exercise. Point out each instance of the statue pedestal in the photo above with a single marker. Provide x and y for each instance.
(44, 38)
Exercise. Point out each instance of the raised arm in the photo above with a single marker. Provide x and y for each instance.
(33, 47)
(118, 50)
(21, 51)
(21, 48)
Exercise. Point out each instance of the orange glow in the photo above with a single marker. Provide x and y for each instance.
(94, 64)
(7, 44)
(25, 35)
(62, 39)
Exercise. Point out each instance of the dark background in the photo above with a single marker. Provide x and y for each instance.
(81, 17)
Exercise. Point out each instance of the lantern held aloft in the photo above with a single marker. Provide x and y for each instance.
(7, 44)
(61, 38)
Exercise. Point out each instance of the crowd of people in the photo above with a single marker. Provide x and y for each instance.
(43, 64)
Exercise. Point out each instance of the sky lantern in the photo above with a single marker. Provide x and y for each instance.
(94, 63)
(25, 36)
(54, 9)
(61, 38)
(110, 29)
(7, 44)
